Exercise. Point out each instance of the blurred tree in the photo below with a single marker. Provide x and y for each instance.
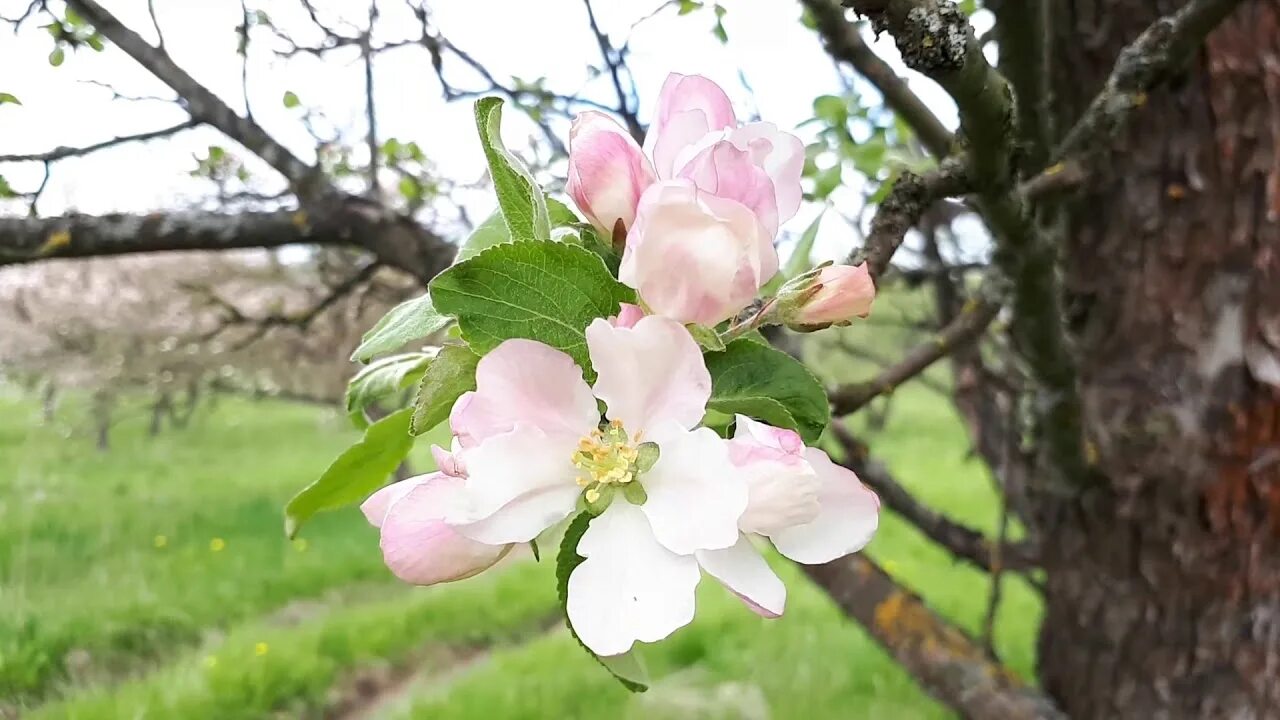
(1118, 361)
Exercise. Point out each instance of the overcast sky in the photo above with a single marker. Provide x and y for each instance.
(781, 59)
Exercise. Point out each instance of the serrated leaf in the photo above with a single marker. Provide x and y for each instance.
(410, 320)
(494, 231)
(361, 469)
(707, 337)
(547, 292)
(9, 98)
(523, 205)
(451, 373)
(385, 377)
(628, 668)
(767, 384)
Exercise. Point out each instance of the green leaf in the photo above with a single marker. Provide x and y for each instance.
(707, 337)
(452, 373)
(291, 99)
(6, 190)
(800, 259)
(832, 109)
(384, 377)
(9, 98)
(363, 468)
(410, 188)
(628, 668)
(523, 205)
(494, 231)
(57, 56)
(688, 6)
(73, 18)
(827, 181)
(547, 292)
(767, 384)
(410, 320)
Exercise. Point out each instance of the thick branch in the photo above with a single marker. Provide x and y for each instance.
(910, 197)
(76, 236)
(1023, 32)
(972, 321)
(947, 663)
(963, 542)
(63, 152)
(844, 43)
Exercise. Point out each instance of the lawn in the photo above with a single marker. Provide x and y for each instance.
(153, 581)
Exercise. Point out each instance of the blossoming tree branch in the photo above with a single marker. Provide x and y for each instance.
(603, 372)
(607, 382)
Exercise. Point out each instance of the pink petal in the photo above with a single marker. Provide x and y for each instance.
(689, 107)
(528, 382)
(780, 155)
(607, 171)
(628, 315)
(650, 373)
(376, 506)
(845, 523)
(844, 292)
(695, 257)
(449, 462)
(420, 548)
(782, 488)
(728, 172)
(745, 573)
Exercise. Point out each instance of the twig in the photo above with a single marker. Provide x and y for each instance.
(911, 195)
(62, 152)
(613, 62)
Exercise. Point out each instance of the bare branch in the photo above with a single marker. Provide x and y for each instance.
(155, 23)
(370, 113)
(911, 195)
(844, 43)
(972, 321)
(60, 153)
(613, 62)
(947, 663)
(1023, 31)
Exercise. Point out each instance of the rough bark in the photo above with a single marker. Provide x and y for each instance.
(1163, 579)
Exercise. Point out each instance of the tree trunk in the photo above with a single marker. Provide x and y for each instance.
(1163, 581)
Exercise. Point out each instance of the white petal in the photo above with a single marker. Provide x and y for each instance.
(845, 523)
(629, 589)
(524, 381)
(747, 575)
(650, 373)
(375, 507)
(695, 497)
(518, 483)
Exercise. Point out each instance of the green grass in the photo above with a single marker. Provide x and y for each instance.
(101, 623)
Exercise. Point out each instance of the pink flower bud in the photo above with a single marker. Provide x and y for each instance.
(836, 295)
(607, 173)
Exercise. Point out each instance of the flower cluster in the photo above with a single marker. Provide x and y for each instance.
(694, 215)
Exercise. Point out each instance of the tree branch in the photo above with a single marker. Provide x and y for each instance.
(963, 542)
(76, 236)
(972, 321)
(948, 664)
(1023, 31)
(62, 152)
(910, 197)
(844, 42)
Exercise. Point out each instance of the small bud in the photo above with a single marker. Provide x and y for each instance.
(831, 295)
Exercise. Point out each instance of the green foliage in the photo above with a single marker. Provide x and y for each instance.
(548, 292)
(290, 99)
(9, 98)
(706, 337)
(57, 57)
(452, 373)
(410, 320)
(770, 385)
(523, 205)
(628, 668)
(494, 231)
(361, 469)
(383, 378)
(6, 190)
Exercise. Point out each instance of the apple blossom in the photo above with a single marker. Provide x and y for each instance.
(607, 173)
(832, 295)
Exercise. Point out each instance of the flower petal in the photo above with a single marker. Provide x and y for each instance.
(375, 507)
(843, 293)
(695, 497)
(524, 381)
(742, 569)
(782, 488)
(419, 547)
(630, 588)
(695, 257)
(689, 107)
(650, 373)
(726, 171)
(781, 155)
(518, 484)
(845, 524)
(607, 171)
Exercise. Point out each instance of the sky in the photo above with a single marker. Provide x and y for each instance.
(781, 59)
